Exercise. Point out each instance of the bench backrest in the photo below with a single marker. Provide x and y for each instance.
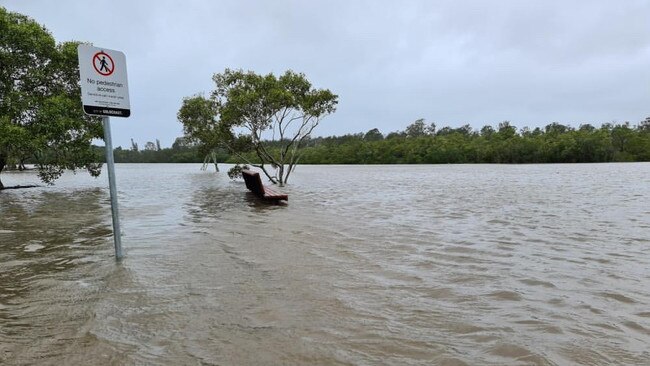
(253, 182)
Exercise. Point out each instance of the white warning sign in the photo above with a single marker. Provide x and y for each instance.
(104, 84)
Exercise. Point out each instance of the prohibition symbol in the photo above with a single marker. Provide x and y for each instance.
(103, 63)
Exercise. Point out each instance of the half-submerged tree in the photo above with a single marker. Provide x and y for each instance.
(40, 109)
(271, 116)
(201, 127)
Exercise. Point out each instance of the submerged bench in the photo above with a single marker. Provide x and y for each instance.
(254, 183)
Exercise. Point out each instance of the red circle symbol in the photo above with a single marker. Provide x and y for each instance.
(103, 63)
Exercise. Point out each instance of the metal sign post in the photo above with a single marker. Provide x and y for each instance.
(105, 92)
(110, 165)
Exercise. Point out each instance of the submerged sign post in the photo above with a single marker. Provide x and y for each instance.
(105, 92)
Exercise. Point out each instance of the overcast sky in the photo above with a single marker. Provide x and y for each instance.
(390, 62)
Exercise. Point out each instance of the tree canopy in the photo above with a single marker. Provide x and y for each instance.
(251, 112)
(555, 143)
(41, 117)
(506, 144)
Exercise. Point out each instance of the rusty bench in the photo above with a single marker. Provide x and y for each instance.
(254, 184)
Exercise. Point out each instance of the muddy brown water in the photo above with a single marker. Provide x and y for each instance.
(366, 265)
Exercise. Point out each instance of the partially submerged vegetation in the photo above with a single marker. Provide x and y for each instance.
(263, 120)
(422, 143)
(41, 120)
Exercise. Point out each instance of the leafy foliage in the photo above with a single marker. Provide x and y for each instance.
(555, 143)
(250, 112)
(40, 111)
(552, 144)
(236, 171)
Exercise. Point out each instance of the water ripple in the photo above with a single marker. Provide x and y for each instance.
(402, 265)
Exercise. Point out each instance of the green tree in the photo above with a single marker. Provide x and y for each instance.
(277, 115)
(587, 127)
(417, 128)
(199, 117)
(464, 130)
(506, 130)
(644, 126)
(622, 135)
(373, 135)
(556, 128)
(150, 146)
(487, 131)
(394, 135)
(40, 109)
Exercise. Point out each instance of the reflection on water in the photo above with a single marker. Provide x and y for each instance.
(215, 202)
(366, 265)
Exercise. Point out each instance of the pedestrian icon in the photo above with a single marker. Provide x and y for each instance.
(103, 63)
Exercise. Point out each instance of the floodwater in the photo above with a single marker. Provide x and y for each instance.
(366, 265)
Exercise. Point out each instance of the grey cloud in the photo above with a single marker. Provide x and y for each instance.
(452, 62)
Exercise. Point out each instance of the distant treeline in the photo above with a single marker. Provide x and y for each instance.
(180, 152)
(423, 143)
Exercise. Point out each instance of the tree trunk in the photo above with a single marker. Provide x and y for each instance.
(214, 159)
(268, 175)
(3, 162)
(281, 175)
